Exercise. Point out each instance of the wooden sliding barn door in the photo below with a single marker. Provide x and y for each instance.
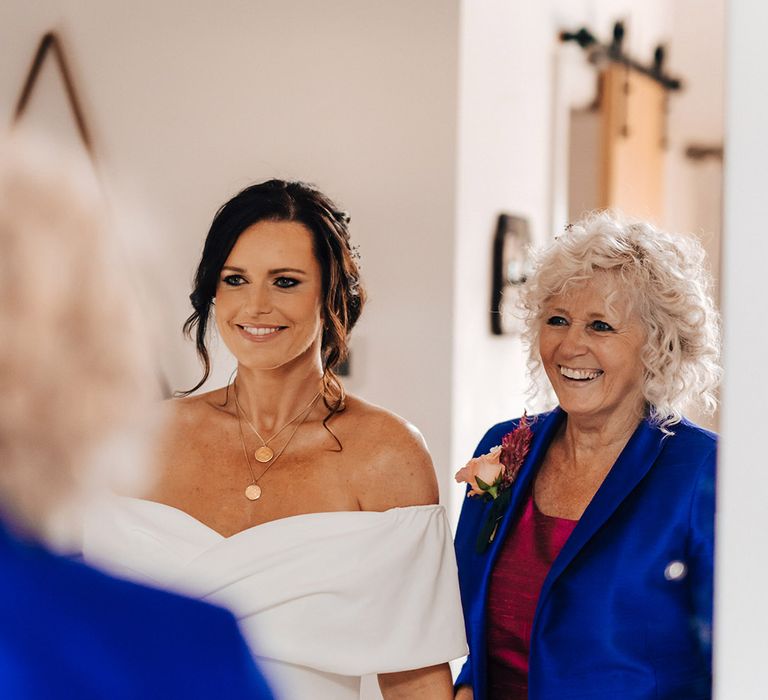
(617, 149)
(632, 124)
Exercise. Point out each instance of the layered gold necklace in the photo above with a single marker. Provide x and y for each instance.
(265, 454)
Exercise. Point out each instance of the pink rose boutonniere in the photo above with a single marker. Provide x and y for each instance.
(491, 475)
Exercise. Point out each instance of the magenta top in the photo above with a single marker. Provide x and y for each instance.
(518, 575)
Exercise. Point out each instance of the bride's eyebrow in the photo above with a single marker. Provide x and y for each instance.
(275, 271)
(281, 270)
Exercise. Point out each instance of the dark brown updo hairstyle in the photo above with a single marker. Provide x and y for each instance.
(342, 290)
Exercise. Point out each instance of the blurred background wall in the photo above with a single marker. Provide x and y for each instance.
(424, 120)
(741, 606)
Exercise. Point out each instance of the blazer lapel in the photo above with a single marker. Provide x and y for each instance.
(544, 430)
(634, 462)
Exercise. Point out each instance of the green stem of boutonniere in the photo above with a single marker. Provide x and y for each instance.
(491, 489)
(491, 525)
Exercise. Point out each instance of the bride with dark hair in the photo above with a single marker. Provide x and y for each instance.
(310, 513)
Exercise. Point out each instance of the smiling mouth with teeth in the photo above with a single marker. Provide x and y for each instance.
(261, 330)
(580, 375)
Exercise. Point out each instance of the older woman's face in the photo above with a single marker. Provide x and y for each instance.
(590, 346)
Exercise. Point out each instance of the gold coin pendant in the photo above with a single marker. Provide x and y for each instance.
(264, 454)
(253, 492)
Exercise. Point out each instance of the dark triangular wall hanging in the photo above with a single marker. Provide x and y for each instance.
(50, 44)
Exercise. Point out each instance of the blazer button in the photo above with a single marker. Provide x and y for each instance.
(675, 571)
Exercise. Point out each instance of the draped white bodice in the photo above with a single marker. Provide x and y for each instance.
(322, 598)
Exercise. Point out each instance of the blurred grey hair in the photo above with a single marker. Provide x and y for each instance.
(75, 371)
(665, 277)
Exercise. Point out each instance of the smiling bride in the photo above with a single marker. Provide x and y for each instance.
(310, 513)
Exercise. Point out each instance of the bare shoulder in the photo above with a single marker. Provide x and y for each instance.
(394, 468)
(189, 419)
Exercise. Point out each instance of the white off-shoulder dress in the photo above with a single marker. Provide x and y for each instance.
(322, 599)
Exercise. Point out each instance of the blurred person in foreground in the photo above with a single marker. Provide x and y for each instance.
(75, 390)
(585, 549)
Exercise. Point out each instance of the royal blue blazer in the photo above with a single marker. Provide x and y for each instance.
(68, 631)
(625, 612)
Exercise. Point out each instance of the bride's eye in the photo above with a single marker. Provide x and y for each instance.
(233, 280)
(286, 282)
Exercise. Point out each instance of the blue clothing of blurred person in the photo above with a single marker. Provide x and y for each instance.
(68, 631)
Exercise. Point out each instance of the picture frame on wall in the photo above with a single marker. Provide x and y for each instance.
(510, 272)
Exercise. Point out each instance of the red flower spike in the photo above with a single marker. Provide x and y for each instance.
(514, 448)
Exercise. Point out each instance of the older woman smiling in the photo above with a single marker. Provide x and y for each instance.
(586, 550)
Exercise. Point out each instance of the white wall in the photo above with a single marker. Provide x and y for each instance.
(694, 188)
(190, 101)
(741, 641)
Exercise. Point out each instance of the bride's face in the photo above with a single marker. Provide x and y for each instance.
(268, 297)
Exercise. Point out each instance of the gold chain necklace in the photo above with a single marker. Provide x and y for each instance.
(253, 490)
(265, 453)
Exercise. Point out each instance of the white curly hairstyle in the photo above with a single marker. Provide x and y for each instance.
(665, 278)
(75, 369)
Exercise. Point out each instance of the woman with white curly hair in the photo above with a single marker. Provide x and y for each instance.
(586, 547)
